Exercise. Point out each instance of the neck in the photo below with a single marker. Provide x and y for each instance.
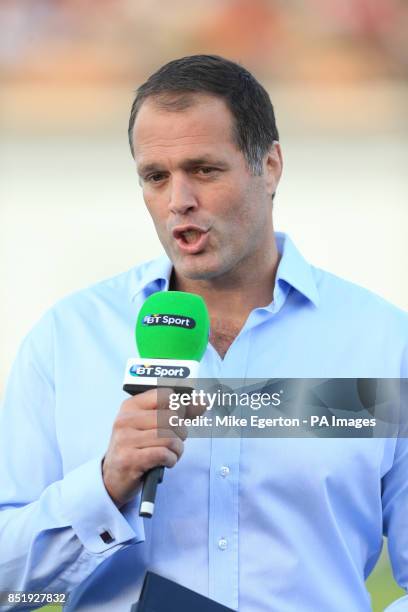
(235, 294)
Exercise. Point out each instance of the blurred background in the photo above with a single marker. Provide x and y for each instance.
(71, 212)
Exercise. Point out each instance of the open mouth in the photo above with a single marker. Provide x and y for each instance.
(190, 239)
(191, 236)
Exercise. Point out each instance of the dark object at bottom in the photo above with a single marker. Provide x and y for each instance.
(162, 595)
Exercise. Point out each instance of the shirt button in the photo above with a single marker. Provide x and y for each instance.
(222, 543)
(224, 471)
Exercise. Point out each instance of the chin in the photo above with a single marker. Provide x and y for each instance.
(202, 272)
(202, 266)
(197, 273)
(198, 269)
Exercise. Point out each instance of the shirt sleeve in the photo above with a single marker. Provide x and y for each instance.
(55, 528)
(395, 502)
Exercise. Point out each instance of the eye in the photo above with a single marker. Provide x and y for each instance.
(156, 177)
(206, 170)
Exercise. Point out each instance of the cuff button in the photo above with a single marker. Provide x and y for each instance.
(107, 537)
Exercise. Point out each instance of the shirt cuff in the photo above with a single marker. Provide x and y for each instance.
(92, 514)
(400, 605)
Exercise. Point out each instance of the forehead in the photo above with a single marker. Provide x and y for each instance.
(206, 124)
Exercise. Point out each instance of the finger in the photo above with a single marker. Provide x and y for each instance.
(148, 400)
(145, 420)
(189, 406)
(196, 409)
(160, 437)
(151, 437)
(151, 457)
(167, 428)
(187, 403)
(135, 420)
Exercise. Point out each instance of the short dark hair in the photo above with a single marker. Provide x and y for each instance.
(254, 119)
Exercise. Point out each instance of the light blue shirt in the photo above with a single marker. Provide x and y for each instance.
(260, 525)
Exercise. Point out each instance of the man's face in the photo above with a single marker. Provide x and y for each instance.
(212, 216)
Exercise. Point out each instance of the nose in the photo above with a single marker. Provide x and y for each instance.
(182, 196)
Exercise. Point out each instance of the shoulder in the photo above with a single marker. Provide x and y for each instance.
(109, 293)
(345, 299)
(97, 304)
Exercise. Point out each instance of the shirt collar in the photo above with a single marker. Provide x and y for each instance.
(293, 271)
(152, 276)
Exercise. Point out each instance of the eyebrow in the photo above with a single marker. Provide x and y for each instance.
(186, 164)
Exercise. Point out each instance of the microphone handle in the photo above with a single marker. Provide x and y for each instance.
(150, 481)
(152, 477)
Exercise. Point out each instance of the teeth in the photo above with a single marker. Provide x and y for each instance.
(191, 236)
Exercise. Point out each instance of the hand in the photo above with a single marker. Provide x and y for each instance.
(137, 444)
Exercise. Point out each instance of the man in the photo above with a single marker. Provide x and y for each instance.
(256, 524)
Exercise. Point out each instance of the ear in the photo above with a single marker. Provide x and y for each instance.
(273, 165)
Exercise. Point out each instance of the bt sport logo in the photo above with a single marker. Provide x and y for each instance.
(157, 371)
(169, 320)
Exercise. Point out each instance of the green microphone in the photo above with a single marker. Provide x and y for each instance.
(172, 331)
